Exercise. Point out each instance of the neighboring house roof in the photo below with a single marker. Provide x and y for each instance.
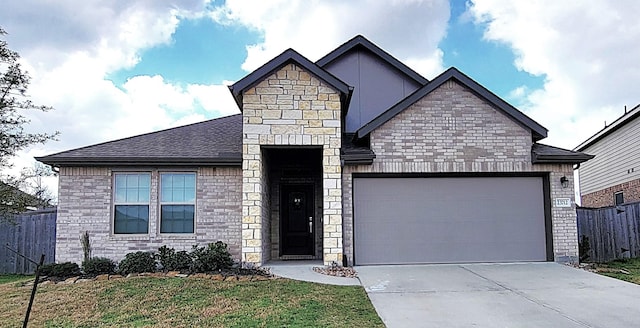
(544, 154)
(538, 131)
(288, 56)
(623, 120)
(213, 142)
(360, 41)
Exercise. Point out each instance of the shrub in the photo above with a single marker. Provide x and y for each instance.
(137, 262)
(211, 258)
(62, 270)
(98, 265)
(170, 260)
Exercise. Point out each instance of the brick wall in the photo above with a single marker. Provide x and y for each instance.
(85, 204)
(452, 130)
(289, 108)
(605, 197)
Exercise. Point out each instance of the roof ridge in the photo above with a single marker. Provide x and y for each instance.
(362, 41)
(278, 62)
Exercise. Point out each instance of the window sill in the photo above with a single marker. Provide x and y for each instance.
(149, 237)
(177, 236)
(130, 237)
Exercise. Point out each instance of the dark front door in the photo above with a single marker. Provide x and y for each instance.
(296, 208)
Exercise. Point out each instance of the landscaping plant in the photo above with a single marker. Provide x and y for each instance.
(98, 265)
(62, 270)
(137, 262)
(170, 260)
(213, 257)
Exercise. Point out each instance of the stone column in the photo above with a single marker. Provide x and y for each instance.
(290, 108)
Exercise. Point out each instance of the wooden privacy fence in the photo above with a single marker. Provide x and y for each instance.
(30, 234)
(609, 233)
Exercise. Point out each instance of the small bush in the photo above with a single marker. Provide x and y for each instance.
(98, 265)
(137, 262)
(211, 258)
(62, 270)
(170, 260)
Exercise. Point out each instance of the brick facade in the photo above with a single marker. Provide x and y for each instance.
(289, 108)
(605, 197)
(85, 204)
(451, 130)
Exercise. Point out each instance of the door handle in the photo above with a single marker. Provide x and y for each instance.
(311, 224)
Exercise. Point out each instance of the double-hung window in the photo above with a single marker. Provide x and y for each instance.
(131, 203)
(177, 202)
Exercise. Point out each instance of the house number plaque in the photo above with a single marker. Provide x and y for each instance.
(562, 202)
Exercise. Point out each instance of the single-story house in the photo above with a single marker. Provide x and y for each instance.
(611, 178)
(352, 159)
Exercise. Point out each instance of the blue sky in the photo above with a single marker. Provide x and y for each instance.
(206, 52)
(201, 51)
(114, 69)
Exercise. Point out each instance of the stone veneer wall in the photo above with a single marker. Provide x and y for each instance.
(452, 130)
(289, 108)
(85, 204)
(605, 197)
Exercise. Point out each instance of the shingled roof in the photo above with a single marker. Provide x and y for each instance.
(541, 154)
(213, 142)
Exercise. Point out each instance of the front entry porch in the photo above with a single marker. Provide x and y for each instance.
(295, 198)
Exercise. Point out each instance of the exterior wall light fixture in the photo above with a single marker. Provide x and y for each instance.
(564, 182)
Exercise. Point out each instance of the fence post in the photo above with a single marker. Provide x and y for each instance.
(33, 292)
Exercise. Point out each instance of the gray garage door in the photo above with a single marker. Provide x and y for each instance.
(448, 220)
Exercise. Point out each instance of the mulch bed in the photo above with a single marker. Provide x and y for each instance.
(337, 271)
(235, 274)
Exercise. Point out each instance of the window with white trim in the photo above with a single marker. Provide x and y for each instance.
(131, 203)
(177, 202)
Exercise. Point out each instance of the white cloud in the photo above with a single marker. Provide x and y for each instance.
(409, 30)
(214, 98)
(584, 50)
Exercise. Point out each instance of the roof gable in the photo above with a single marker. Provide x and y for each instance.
(623, 120)
(213, 142)
(361, 42)
(537, 130)
(288, 56)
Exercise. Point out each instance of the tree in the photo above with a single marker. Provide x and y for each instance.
(14, 100)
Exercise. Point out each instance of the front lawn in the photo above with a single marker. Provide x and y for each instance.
(189, 302)
(627, 270)
(6, 278)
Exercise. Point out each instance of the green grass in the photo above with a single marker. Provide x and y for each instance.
(179, 302)
(7, 278)
(613, 269)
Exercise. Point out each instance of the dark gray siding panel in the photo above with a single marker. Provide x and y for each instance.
(377, 86)
(448, 220)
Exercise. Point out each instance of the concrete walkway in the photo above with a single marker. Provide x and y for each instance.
(499, 295)
(303, 270)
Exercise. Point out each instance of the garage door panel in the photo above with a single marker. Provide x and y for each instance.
(448, 220)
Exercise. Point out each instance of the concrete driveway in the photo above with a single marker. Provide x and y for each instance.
(499, 295)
